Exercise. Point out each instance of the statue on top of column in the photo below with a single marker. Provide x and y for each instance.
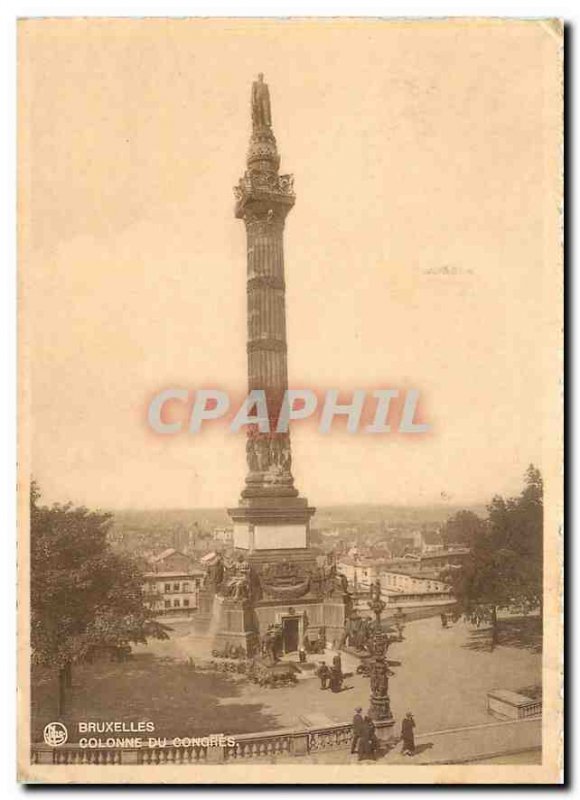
(261, 115)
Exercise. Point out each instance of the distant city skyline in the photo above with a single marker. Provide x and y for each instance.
(413, 254)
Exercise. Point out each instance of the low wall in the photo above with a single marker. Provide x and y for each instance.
(468, 744)
(506, 704)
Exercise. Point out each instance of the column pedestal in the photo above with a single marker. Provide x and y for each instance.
(271, 523)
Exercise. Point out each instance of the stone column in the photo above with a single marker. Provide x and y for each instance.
(264, 198)
(270, 515)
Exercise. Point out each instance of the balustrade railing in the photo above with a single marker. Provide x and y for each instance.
(263, 746)
(251, 746)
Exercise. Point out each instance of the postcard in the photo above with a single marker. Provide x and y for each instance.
(290, 401)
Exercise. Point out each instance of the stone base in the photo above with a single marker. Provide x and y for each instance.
(384, 729)
(380, 709)
(258, 490)
(237, 626)
(271, 522)
(242, 625)
(288, 583)
(267, 537)
(247, 641)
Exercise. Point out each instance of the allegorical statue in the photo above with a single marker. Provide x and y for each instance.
(261, 115)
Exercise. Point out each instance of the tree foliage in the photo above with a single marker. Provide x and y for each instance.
(505, 567)
(83, 594)
(462, 528)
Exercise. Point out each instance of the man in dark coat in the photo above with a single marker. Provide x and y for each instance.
(324, 674)
(357, 725)
(367, 746)
(336, 678)
(408, 735)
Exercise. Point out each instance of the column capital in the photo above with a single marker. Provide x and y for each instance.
(264, 196)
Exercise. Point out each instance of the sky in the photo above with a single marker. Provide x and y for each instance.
(420, 252)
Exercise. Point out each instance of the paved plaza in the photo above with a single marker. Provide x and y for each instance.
(441, 675)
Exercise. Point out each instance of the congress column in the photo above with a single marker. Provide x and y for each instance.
(263, 200)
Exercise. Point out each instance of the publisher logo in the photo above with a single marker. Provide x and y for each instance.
(55, 734)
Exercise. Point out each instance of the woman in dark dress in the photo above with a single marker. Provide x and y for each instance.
(408, 735)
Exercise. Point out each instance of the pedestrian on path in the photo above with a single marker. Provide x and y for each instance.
(324, 674)
(408, 735)
(357, 726)
(367, 746)
(400, 619)
(336, 679)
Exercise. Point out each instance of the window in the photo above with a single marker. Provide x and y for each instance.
(167, 587)
(186, 586)
(176, 602)
(167, 603)
(186, 602)
(176, 587)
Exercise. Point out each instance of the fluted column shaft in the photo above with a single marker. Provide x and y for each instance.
(268, 454)
(267, 365)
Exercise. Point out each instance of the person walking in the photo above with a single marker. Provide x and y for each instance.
(372, 734)
(324, 674)
(408, 735)
(367, 745)
(336, 679)
(400, 619)
(357, 726)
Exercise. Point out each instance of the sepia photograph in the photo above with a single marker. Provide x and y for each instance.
(290, 400)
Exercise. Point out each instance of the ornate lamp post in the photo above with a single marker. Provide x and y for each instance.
(380, 708)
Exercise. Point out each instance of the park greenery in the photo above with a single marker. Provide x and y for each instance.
(86, 598)
(504, 570)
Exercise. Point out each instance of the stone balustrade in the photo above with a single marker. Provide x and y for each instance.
(506, 704)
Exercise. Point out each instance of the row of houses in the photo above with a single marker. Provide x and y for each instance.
(407, 581)
(171, 583)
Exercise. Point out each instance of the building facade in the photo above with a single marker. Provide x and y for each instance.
(172, 583)
(224, 536)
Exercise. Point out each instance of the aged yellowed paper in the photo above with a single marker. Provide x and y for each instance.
(290, 478)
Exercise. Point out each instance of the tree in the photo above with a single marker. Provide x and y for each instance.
(462, 528)
(505, 566)
(83, 594)
(528, 540)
